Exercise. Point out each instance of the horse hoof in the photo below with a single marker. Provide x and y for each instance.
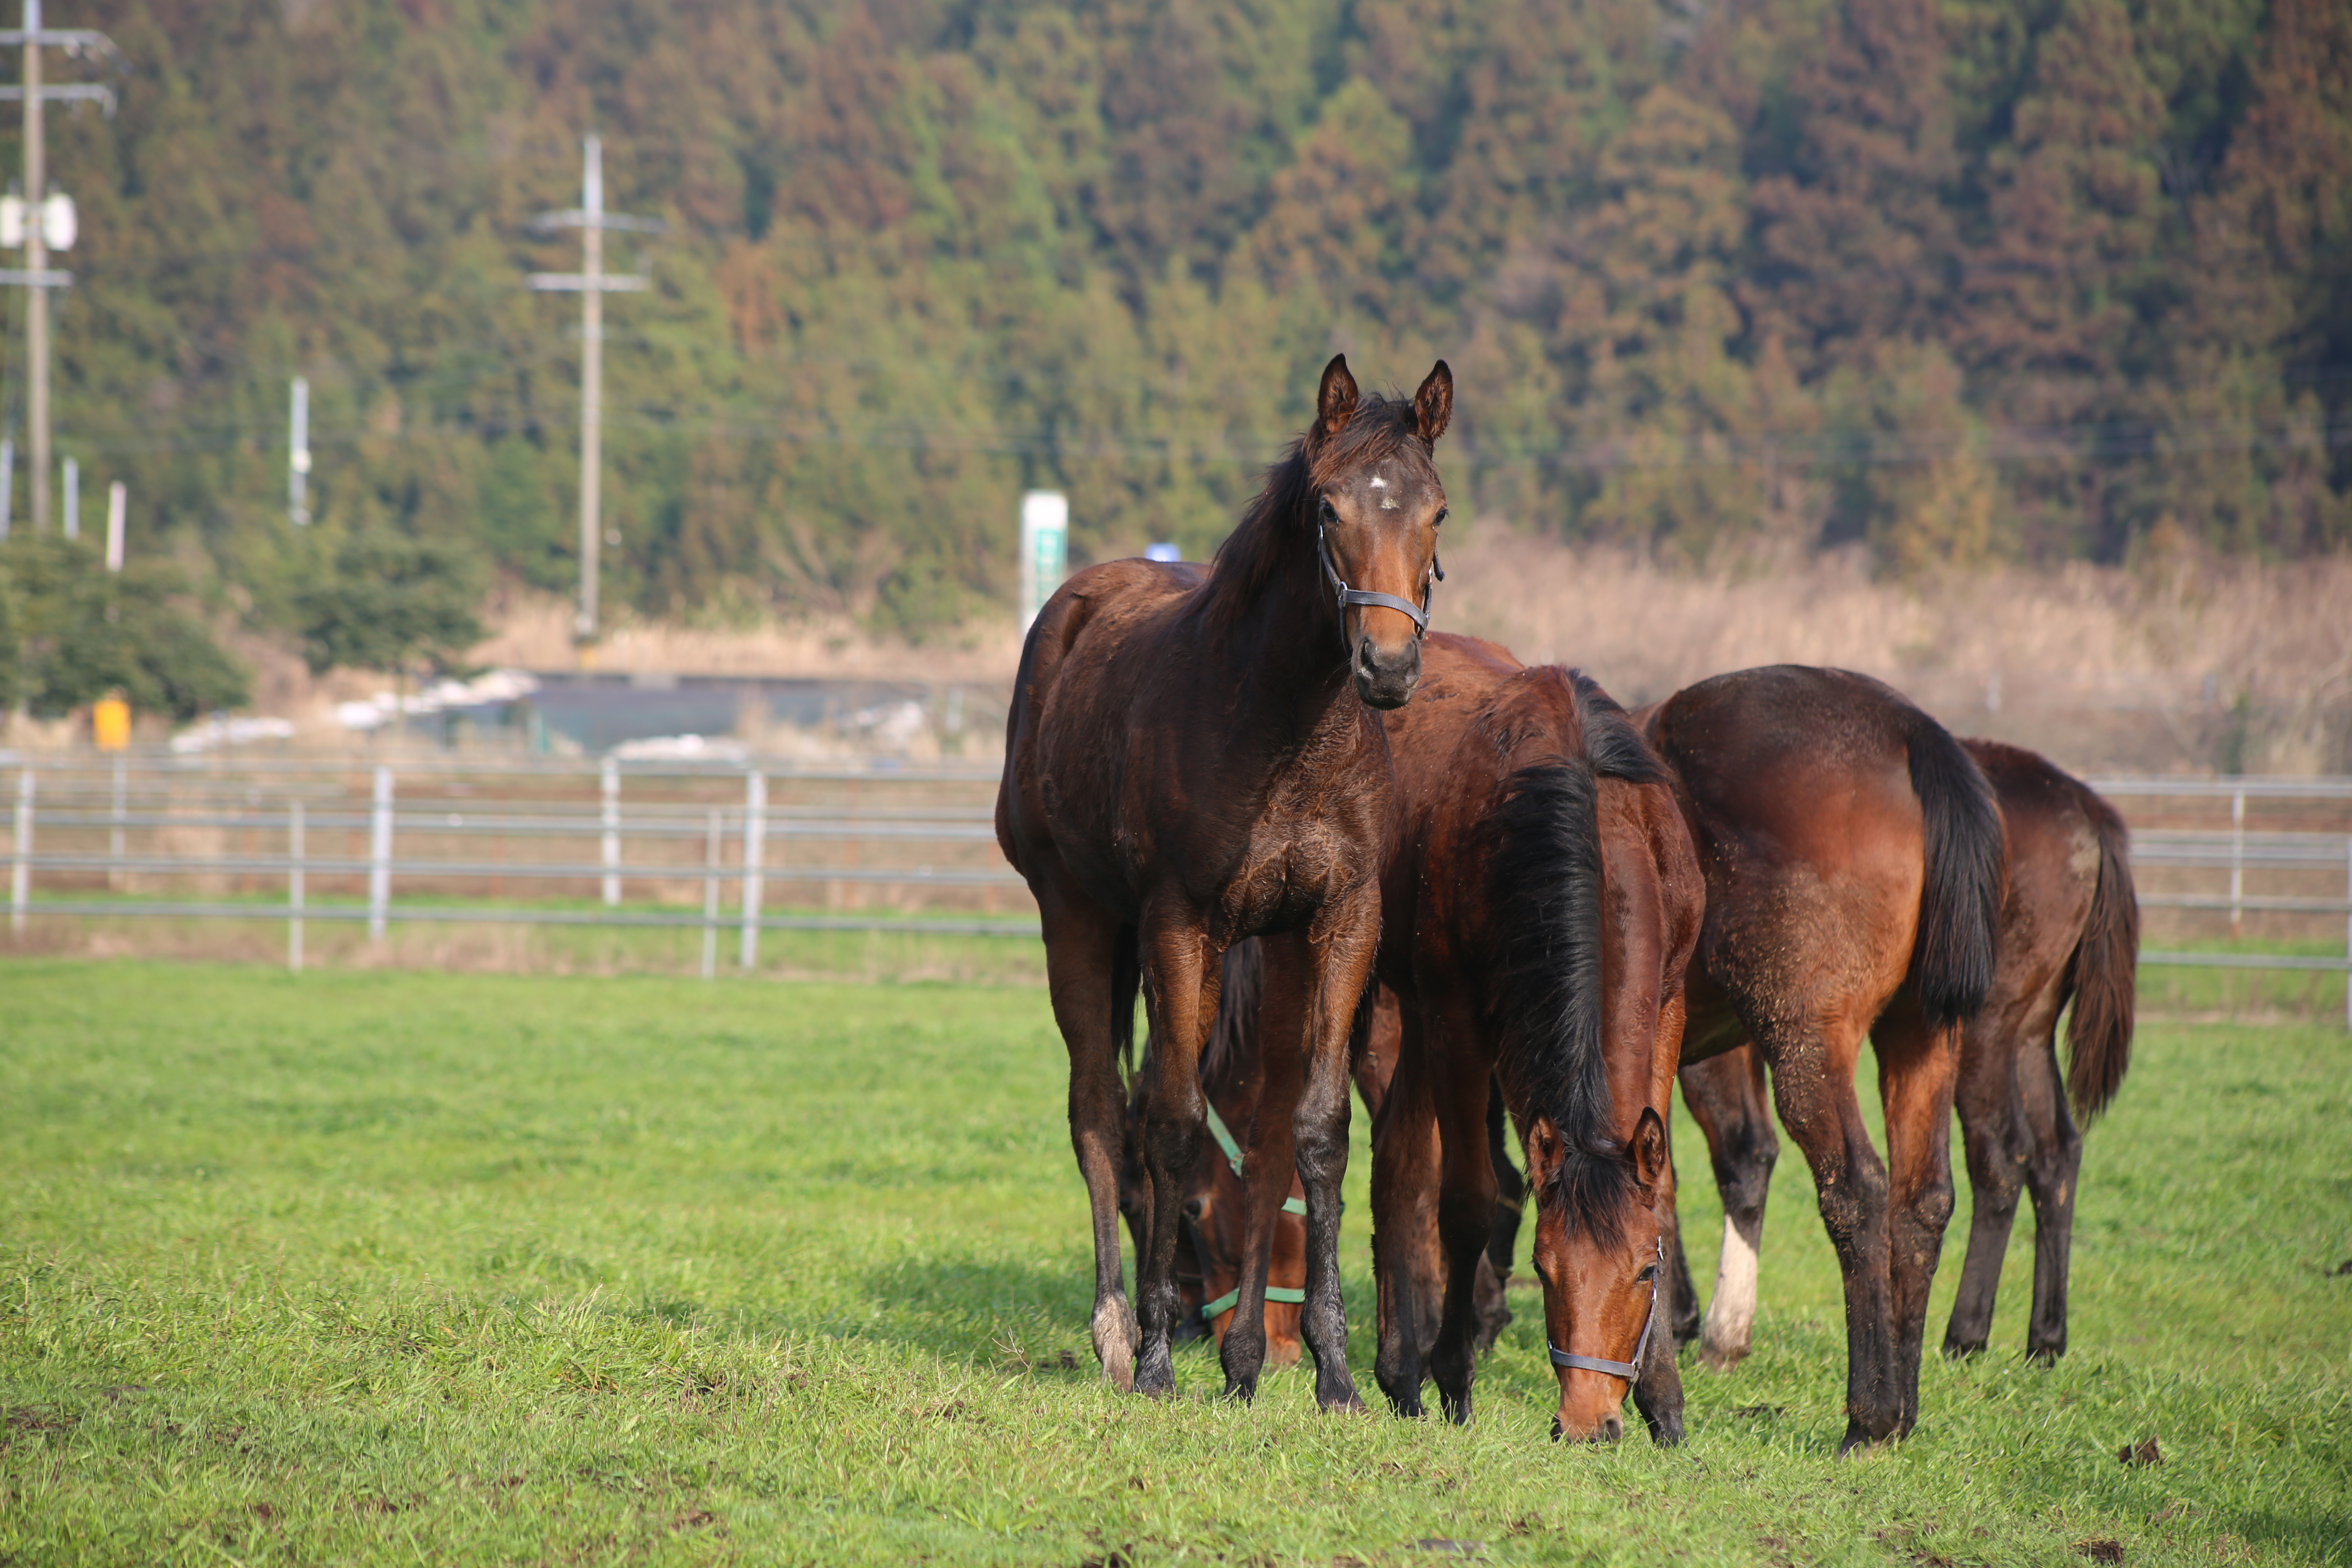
(1720, 1358)
(1858, 1437)
(1116, 1338)
(1961, 1350)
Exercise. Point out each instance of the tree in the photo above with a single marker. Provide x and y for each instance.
(85, 631)
(1854, 237)
(390, 602)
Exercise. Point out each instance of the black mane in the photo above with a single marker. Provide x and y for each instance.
(1545, 881)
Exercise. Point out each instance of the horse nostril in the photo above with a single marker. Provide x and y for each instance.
(1613, 1428)
(1193, 1208)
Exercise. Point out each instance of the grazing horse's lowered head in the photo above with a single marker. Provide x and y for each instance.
(1598, 1250)
(1363, 479)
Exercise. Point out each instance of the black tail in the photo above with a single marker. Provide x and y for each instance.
(2107, 970)
(1959, 909)
(1125, 979)
(1544, 881)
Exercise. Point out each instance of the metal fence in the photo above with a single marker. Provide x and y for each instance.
(706, 847)
(436, 838)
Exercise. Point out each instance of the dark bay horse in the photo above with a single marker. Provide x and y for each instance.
(1194, 757)
(2069, 932)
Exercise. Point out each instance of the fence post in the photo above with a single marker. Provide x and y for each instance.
(122, 809)
(755, 838)
(713, 850)
(380, 856)
(294, 887)
(2237, 861)
(20, 874)
(611, 787)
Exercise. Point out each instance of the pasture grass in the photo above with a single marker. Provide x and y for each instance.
(386, 1267)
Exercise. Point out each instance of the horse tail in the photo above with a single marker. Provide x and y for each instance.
(1125, 979)
(2106, 974)
(1544, 883)
(1959, 908)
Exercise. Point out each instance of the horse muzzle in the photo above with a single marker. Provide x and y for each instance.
(1386, 678)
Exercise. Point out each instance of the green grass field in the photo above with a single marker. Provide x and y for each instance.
(414, 1268)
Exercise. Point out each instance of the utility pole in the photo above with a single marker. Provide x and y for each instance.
(592, 283)
(41, 229)
(297, 457)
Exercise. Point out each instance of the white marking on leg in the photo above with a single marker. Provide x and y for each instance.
(1731, 1315)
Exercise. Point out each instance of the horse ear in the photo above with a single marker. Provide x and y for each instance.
(1650, 1152)
(1433, 406)
(1335, 400)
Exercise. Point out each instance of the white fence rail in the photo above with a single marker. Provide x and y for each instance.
(606, 842)
(285, 810)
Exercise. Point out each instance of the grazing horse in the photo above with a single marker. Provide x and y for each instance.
(1194, 757)
(1542, 902)
(1853, 860)
(2069, 932)
(1216, 1204)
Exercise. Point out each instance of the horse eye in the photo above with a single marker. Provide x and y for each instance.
(1439, 521)
(1646, 1275)
(1324, 512)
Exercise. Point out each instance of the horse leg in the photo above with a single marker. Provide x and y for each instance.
(1180, 980)
(1466, 1223)
(1090, 970)
(1342, 944)
(1726, 1098)
(1684, 1319)
(1993, 1133)
(1658, 1391)
(1813, 1087)
(1502, 1241)
(1917, 1065)
(2052, 1174)
(1405, 1161)
(1267, 1157)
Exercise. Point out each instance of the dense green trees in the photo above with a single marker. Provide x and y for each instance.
(1962, 278)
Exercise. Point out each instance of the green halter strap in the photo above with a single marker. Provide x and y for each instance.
(1224, 1137)
(1233, 1151)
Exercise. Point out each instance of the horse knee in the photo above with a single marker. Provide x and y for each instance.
(1853, 1201)
(1931, 1207)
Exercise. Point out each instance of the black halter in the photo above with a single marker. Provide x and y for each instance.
(1350, 597)
(1628, 1370)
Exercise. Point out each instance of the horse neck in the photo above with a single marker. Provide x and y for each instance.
(1275, 639)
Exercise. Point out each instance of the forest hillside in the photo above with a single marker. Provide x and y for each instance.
(1962, 282)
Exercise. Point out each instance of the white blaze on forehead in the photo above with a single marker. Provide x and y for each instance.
(1388, 502)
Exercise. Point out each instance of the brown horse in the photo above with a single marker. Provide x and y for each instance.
(1192, 758)
(1853, 860)
(2069, 932)
(1216, 1204)
(1542, 902)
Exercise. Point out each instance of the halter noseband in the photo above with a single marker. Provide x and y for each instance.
(1628, 1370)
(1349, 599)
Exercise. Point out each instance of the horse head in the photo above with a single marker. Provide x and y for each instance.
(1377, 505)
(1599, 1228)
